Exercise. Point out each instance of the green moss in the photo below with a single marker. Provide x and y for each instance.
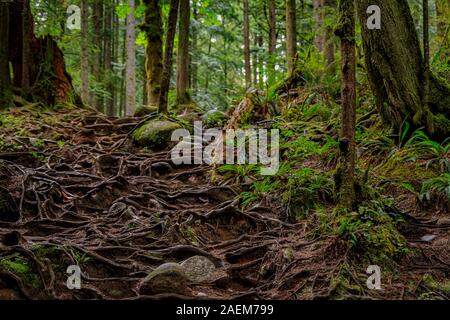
(21, 267)
(155, 134)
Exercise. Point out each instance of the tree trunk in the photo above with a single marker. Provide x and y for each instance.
(442, 12)
(395, 66)
(194, 66)
(291, 35)
(272, 36)
(319, 38)
(115, 54)
(168, 57)
(109, 103)
(97, 18)
(26, 39)
(183, 96)
(48, 82)
(154, 50)
(247, 65)
(5, 81)
(426, 54)
(330, 6)
(84, 51)
(346, 168)
(130, 68)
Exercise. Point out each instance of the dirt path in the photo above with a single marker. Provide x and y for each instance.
(119, 213)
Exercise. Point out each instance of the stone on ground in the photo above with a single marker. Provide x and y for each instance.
(167, 278)
(155, 134)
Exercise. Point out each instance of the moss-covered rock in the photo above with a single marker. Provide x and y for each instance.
(143, 111)
(167, 278)
(155, 134)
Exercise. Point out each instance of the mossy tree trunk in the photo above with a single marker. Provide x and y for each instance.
(346, 169)
(247, 64)
(183, 96)
(5, 81)
(396, 70)
(291, 35)
(168, 56)
(48, 81)
(153, 27)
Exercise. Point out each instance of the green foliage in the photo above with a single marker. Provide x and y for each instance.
(304, 189)
(259, 190)
(440, 184)
(372, 231)
(21, 267)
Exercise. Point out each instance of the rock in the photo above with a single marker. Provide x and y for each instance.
(198, 268)
(428, 237)
(443, 222)
(167, 278)
(143, 111)
(155, 134)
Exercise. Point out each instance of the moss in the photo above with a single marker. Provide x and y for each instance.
(155, 134)
(21, 267)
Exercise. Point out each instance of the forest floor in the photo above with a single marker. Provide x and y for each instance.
(78, 192)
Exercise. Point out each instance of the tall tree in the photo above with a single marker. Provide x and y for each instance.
(130, 68)
(194, 59)
(291, 35)
(84, 55)
(183, 96)
(5, 81)
(395, 67)
(346, 31)
(153, 27)
(97, 57)
(426, 54)
(247, 63)
(168, 57)
(329, 9)
(319, 37)
(107, 58)
(26, 39)
(272, 36)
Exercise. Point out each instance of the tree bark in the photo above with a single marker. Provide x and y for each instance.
(183, 96)
(130, 68)
(442, 12)
(5, 81)
(193, 61)
(84, 51)
(272, 36)
(329, 50)
(168, 57)
(107, 59)
(346, 169)
(49, 82)
(395, 66)
(319, 38)
(247, 63)
(154, 49)
(26, 39)
(291, 35)
(96, 71)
